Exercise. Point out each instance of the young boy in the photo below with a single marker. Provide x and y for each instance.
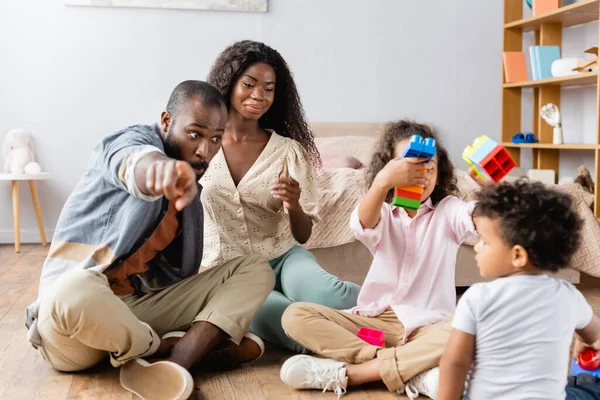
(514, 333)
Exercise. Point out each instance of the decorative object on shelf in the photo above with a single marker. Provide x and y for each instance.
(544, 6)
(542, 58)
(547, 176)
(551, 114)
(19, 153)
(213, 5)
(590, 65)
(529, 3)
(584, 178)
(566, 180)
(515, 67)
(566, 67)
(526, 137)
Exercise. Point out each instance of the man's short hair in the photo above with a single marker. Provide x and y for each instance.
(187, 90)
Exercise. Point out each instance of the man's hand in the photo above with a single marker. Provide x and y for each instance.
(174, 179)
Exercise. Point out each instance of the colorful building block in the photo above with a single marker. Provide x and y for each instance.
(372, 336)
(585, 365)
(409, 197)
(488, 159)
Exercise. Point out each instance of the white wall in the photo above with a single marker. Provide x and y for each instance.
(72, 75)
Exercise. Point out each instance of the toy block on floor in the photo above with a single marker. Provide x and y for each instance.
(372, 336)
(409, 197)
(488, 159)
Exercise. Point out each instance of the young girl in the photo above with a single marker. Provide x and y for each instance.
(260, 194)
(409, 292)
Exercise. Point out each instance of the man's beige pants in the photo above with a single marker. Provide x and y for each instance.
(81, 320)
(332, 333)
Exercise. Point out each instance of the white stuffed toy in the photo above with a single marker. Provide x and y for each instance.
(18, 152)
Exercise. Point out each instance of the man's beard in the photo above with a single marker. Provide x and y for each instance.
(173, 150)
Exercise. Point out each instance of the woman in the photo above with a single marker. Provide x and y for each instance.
(260, 191)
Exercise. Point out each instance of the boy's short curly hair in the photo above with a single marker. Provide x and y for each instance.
(540, 219)
(386, 146)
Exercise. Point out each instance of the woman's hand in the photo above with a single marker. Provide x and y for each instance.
(287, 190)
(402, 172)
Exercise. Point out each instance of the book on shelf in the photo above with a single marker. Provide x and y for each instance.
(544, 6)
(515, 67)
(541, 58)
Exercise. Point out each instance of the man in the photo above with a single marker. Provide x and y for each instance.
(123, 266)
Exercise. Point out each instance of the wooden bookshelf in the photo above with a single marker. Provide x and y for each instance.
(575, 14)
(582, 79)
(567, 146)
(547, 30)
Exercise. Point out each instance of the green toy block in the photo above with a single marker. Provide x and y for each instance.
(406, 203)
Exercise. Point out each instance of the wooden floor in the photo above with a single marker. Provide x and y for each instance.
(24, 375)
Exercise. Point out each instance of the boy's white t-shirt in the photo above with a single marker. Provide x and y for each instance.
(523, 327)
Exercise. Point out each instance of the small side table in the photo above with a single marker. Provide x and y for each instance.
(15, 178)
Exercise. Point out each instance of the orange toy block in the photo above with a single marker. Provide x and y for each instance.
(408, 194)
(413, 188)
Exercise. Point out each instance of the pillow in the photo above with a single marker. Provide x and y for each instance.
(358, 147)
(340, 161)
(340, 191)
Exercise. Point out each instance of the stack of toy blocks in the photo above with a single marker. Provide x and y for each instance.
(410, 196)
(489, 159)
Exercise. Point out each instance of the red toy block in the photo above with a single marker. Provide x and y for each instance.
(498, 163)
(372, 336)
(585, 359)
(408, 194)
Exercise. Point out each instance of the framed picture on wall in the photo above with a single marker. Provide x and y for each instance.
(215, 5)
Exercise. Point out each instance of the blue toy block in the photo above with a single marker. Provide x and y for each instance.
(577, 370)
(486, 148)
(417, 147)
(480, 170)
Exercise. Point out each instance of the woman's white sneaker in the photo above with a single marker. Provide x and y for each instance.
(306, 372)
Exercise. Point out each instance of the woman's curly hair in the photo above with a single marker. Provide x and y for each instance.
(540, 219)
(286, 115)
(386, 147)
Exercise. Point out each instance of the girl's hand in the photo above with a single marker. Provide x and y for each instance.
(481, 182)
(403, 172)
(287, 190)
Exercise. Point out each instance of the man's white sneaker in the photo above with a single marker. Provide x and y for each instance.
(161, 380)
(306, 372)
(426, 383)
